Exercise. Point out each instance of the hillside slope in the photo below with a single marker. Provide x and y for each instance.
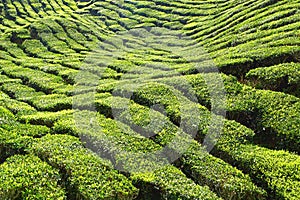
(99, 99)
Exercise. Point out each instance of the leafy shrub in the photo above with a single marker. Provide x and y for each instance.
(20, 91)
(27, 177)
(16, 137)
(4, 79)
(203, 168)
(283, 77)
(265, 112)
(275, 170)
(17, 107)
(52, 102)
(87, 176)
(6, 117)
(116, 133)
(170, 183)
(36, 48)
(37, 79)
(45, 118)
(232, 137)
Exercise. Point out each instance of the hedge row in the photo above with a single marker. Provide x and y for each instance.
(60, 30)
(27, 177)
(73, 31)
(276, 170)
(264, 111)
(39, 64)
(5, 56)
(282, 77)
(11, 48)
(130, 13)
(9, 123)
(287, 35)
(17, 107)
(51, 102)
(230, 63)
(243, 19)
(36, 49)
(45, 118)
(54, 44)
(169, 183)
(25, 11)
(235, 20)
(230, 38)
(5, 79)
(37, 79)
(20, 92)
(113, 15)
(273, 115)
(124, 147)
(44, 33)
(202, 167)
(15, 137)
(84, 174)
(95, 69)
(147, 96)
(12, 143)
(240, 13)
(69, 75)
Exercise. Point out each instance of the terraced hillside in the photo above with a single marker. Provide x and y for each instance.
(90, 88)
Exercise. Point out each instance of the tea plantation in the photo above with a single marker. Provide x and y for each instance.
(160, 99)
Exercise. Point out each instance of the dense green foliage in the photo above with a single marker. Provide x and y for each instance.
(282, 77)
(99, 99)
(27, 177)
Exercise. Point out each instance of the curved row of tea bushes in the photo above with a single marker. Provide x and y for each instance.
(123, 146)
(146, 182)
(16, 107)
(202, 167)
(282, 77)
(60, 28)
(19, 91)
(244, 19)
(147, 96)
(35, 48)
(37, 79)
(262, 110)
(250, 24)
(28, 177)
(278, 171)
(24, 12)
(169, 183)
(52, 39)
(72, 31)
(273, 115)
(16, 139)
(51, 102)
(85, 175)
(45, 118)
(12, 49)
(12, 128)
(11, 142)
(263, 25)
